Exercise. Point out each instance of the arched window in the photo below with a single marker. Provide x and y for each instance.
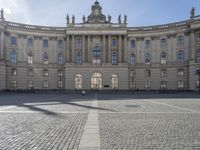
(163, 58)
(96, 81)
(30, 42)
(30, 58)
(180, 56)
(147, 58)
(96, 55)
(78, 81)
(45, 58)
(45, 43)
(78, 57)
(198, 55)
(60, 44)
(132, 44)
(60, 59)
(132, 59)
(13, 56)
(114, 58)
(115, 81)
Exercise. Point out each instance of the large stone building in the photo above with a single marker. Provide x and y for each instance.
(100, 55)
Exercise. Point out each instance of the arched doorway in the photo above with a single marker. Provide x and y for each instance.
(96, 81)
(115, 81)
(78, 81)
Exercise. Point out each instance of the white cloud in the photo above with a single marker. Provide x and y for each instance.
(15, 10)
(7, 11)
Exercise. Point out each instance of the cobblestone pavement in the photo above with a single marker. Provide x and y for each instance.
(122, 121)
(149, 131)
(35, 131)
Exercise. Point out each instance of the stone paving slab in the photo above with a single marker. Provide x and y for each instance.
(149, 131)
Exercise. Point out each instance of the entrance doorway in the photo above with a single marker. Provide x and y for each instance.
(96, 81)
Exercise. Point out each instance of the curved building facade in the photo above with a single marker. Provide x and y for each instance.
(100, 55)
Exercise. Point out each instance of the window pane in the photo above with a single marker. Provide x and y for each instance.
(30, 42)
(13, 40)
(45, 43)
(60, 44)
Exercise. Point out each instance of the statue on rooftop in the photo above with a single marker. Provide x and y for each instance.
(119, 19)
(125, 19)
(67, 19)
(192, 12)
(109, 18)
(2, 14)
(84, 19)
(73, 19)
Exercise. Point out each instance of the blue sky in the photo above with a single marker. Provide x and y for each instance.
(139, 12)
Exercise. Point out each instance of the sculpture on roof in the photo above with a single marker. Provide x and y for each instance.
(73, 19)
(67, 19)
(84, 19)
(2, 14)
(119, 19)
(96, 16)
(109, 18)
(125, 19)
(192, 12)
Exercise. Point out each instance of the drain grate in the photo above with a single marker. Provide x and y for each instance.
(135, 106)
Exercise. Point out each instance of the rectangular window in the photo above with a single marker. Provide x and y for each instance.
(163, 73)
(60, 44)
(147, 44)
(30, 42)
(30, 72)
(45, 43)
(180, 72)
(78, 43)
(198, 37)
(30, 59)
(45, 73)
(147, 84)
(45, 84)
(180, 84)
(147, 73)
(197, 84)
(13, 71)
(60, 73)
(13, 84)
(60, 84)
(30, 84)
(13, 40)
(114, 43)
(163, 43)
(180, 40)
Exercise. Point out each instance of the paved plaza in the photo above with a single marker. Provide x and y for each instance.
(116, 121)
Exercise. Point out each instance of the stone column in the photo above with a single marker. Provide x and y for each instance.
(67, 48)
(109, 48)
(2, 45)
(124, 59)
(89, 49)
(73, 49)
(104, 48)
(120, 49)
(192, 55)
(83, 48)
